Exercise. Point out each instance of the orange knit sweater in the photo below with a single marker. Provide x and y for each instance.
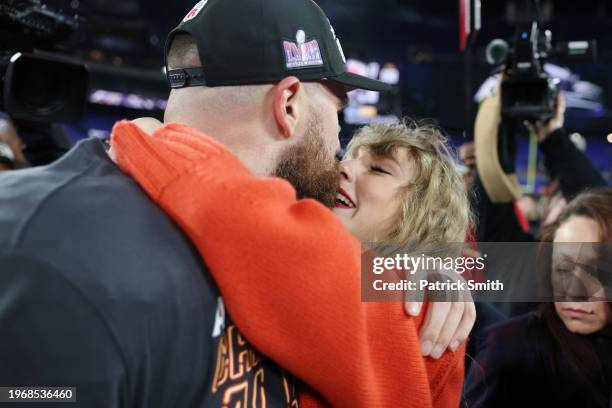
(289, 274)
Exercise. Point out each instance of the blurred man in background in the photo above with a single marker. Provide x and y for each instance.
(11, 146)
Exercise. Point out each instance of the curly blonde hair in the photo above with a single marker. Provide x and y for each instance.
(435, 208)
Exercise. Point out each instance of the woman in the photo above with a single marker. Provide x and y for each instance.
(560, 356)
(357, 354)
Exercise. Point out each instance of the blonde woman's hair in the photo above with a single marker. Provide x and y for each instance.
(435, 208)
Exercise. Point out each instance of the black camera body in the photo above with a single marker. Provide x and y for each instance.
(531, 99)
(39, 85)
(528, 92)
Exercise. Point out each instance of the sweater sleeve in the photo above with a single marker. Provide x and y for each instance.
(289, 273)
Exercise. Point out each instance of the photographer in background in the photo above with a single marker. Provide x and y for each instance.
(11, 146)
(498, 222)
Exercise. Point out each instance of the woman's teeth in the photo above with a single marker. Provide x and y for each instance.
(343, 200)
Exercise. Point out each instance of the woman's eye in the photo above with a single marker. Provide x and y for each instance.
(379, 169)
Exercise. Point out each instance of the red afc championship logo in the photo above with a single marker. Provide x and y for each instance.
(195, 10)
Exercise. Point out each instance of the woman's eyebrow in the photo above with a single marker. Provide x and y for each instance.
(564, 259)
(569, 260)
(390, 157)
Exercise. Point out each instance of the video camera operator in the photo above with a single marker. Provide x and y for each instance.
(563, 161)
(527, 95)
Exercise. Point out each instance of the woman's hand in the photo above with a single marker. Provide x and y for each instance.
(446, 325)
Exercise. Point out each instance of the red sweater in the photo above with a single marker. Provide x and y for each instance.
(290, 267)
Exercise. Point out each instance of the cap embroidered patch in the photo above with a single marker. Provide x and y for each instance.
(195, 10)
(302, 54)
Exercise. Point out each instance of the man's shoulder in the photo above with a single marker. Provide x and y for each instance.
(90, 231)
(69, 183)
(86, 218)
(83, 189)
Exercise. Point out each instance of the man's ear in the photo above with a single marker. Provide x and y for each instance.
(287, 109)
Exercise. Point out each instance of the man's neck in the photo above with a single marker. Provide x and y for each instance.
(256, 157)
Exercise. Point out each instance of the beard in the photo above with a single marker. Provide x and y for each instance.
(309, 166)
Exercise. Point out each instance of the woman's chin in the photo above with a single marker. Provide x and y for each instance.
(343, 216)
(341, 212)
(581, 327)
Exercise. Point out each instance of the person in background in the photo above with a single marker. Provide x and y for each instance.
(11, 146)
(571, 171)
(561, 355)
(563, 161)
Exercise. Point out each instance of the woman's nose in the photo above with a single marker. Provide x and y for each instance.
(346, 171)
(581, 285)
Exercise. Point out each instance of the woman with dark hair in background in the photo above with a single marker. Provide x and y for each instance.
(560, 356)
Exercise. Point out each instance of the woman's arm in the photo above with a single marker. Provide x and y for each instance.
(289, 273)
(575, 171)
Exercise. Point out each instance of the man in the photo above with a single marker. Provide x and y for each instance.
(102, 291)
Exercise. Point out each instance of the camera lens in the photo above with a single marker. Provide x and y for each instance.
(43, 88)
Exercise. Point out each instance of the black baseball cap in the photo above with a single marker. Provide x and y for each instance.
(246, 42)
